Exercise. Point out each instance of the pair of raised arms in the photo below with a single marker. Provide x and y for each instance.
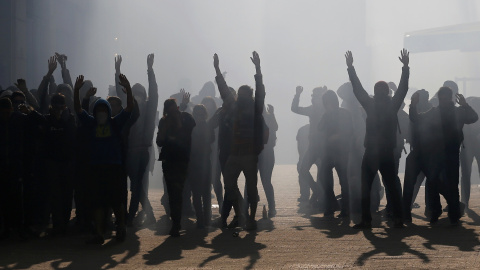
(255, 60)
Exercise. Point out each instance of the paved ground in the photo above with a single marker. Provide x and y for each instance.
(290, 240)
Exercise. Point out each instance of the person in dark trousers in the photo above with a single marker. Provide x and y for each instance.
(469, 151)
(415, 161)
(106, 185)
(174, 137)
(266, 159)
(312, 156)
(444, 124)
(59, 149)
(380, 138)
(139, 141)
(336, 134)
(244, 115)
(200, 169)
(302, 147)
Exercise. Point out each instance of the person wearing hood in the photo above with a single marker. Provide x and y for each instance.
(380, 138)
(444, 125)
(106, 181)
(248, 128)
(336, 132)
(140, 141)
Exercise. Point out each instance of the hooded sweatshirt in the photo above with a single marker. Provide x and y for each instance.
(105, 141)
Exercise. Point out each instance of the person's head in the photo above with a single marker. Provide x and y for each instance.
(244, 93)
(115, 104)
(392, 86)
(139, 94)
(423, 96)
(381, 89)
(112, 90)
(200, 113)
(208, 90)
(17, 99)
(170, 107)
(6, 109)
(330, 100)
(6, 94)
(57, 105)
(65, 90)
(102, 111)
(317, 94)
(445, 96)
(345, 91)
(210, 105)
(452, 85)
(85, 87)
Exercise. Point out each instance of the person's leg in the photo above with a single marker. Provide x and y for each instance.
(369, 169)
(466, 159)
(418, 184)
(307, 163)
(250, 169)
(233, 168)
(206, 195)
(266, 164)
(144, 177)
(387, 169)
(326, 182)
(216, 180)
(341, 166)
(453, 196)
(432, 190)
(412, 170)
(133, 173)
(175, 176)
(196, 184)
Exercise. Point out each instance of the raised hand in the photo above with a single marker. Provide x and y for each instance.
(124, 82)
(21, 85)
(461, 100)
(349, 58)
(79, 83)
(52, 65)
(270, 109)
(150, 58)
(404, 57)
(62, 59)
(415, 99)
(256, 61)
(299, 90)
(118, 62)
(91, 92)
(24, 109)
(186, 96)
(216, 62)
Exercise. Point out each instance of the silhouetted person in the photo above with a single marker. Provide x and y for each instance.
(302, 147)
(139, 142)
(59, 147)
(415, 161)
(314, 113)
(244, 115)
(336, 134)
(444, 124)
(200, 168)
(380, 138)
(174, 137)
(107, 185)
(469, 151)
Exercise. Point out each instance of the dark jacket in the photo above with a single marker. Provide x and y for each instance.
(381, 122)
(176, 145)
(60, 137)
(336, 131)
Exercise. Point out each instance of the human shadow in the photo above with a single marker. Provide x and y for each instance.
(389, 242)
(265, 224)
(444, 234)
(171, 249)
(333, 227)
(474, 216)
(68, 252)
(227, 245)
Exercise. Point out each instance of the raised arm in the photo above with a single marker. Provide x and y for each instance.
(225, 94)
(259, 87)
(31, 100)
(412, 112)
(152, 102)
(185, 100)
(402, 90)
(296, 103)
(271, 112)
(62, 60)
(358, 90)
(86, 99)
(76, 94)
(126, 84)
(43, 87)
(469, 114)
(118, 87)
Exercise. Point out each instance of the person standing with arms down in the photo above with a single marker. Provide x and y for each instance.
(175, 137)
(380, 138)
(244, 115)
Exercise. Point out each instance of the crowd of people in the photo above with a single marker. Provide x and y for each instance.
(61, 145)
